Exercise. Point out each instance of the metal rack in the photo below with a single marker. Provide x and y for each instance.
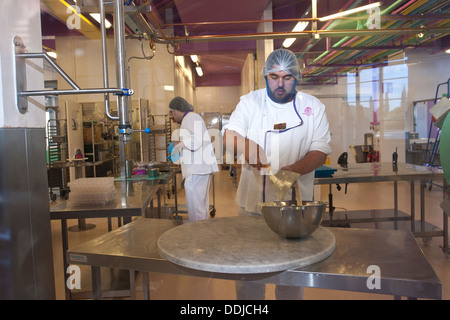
(57, 154)
(92, 146)
(160, 127)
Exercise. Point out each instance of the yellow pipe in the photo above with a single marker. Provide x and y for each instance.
(414, 6)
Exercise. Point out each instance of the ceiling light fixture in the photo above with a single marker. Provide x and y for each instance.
(299, 27)
(194, 58)
(199, 70)
(96, 16)
(351, 11)
(52, 54)
(447, 51)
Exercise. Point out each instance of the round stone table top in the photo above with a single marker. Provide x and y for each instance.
(241, 245)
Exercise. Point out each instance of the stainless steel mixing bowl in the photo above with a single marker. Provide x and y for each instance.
(293, 221)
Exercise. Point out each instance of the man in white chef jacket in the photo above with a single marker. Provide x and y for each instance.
(194, 151)
(280, 128)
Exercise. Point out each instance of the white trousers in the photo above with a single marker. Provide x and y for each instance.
(196, 187)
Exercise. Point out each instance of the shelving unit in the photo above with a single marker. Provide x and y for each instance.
(99, 148)
(57, 154)
(160, 136)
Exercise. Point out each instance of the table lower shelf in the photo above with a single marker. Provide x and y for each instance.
(116, 283)
(381, 219)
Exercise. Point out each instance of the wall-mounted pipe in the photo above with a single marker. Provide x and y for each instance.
(77, 89)
(121, 74)
(105, 61)
(35, 93)
(55, 66)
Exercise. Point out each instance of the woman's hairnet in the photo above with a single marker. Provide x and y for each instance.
(180, 104)
(282, 60)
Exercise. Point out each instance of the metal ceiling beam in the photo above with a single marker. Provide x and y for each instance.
(65, 12)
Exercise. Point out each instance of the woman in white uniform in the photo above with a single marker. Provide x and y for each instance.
(194, 151)
(281, 128)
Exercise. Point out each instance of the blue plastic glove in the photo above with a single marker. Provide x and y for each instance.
(175, 157)
(170, 147)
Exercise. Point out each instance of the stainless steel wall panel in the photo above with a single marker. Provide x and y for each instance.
(26, 258)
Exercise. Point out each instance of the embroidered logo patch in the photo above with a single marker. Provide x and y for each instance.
(308, 111)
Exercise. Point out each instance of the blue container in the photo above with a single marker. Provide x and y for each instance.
(324, 172)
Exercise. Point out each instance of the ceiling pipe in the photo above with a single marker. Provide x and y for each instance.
(381, 47)
(355, 38)
(305, 34)
(389, 17)
(206, 23)
(406, 5)
(333, 55)
(331, 23)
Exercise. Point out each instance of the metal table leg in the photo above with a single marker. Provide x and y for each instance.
(65, 247)
(145, 286)
(422, 200)
(96, 283)
(82, 226)
(175, 194)
(413, 208)
(132, 284)
(445, 215)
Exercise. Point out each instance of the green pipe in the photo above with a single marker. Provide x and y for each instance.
(392, 6)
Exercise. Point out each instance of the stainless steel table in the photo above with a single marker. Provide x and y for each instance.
(404, 270)
(386, 172)
(132, 199)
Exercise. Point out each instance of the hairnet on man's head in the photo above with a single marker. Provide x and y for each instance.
(180, 104)
(282, 60)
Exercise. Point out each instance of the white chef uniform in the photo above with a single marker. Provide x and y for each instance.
(255, 118)
(198, 163)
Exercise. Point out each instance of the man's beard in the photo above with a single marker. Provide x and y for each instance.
(274, 97)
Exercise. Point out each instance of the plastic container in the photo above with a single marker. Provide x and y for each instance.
(88, 191)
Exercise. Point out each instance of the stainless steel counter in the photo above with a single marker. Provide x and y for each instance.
(403, 269)
(385, 172)
(132, 199)
(380, 172)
